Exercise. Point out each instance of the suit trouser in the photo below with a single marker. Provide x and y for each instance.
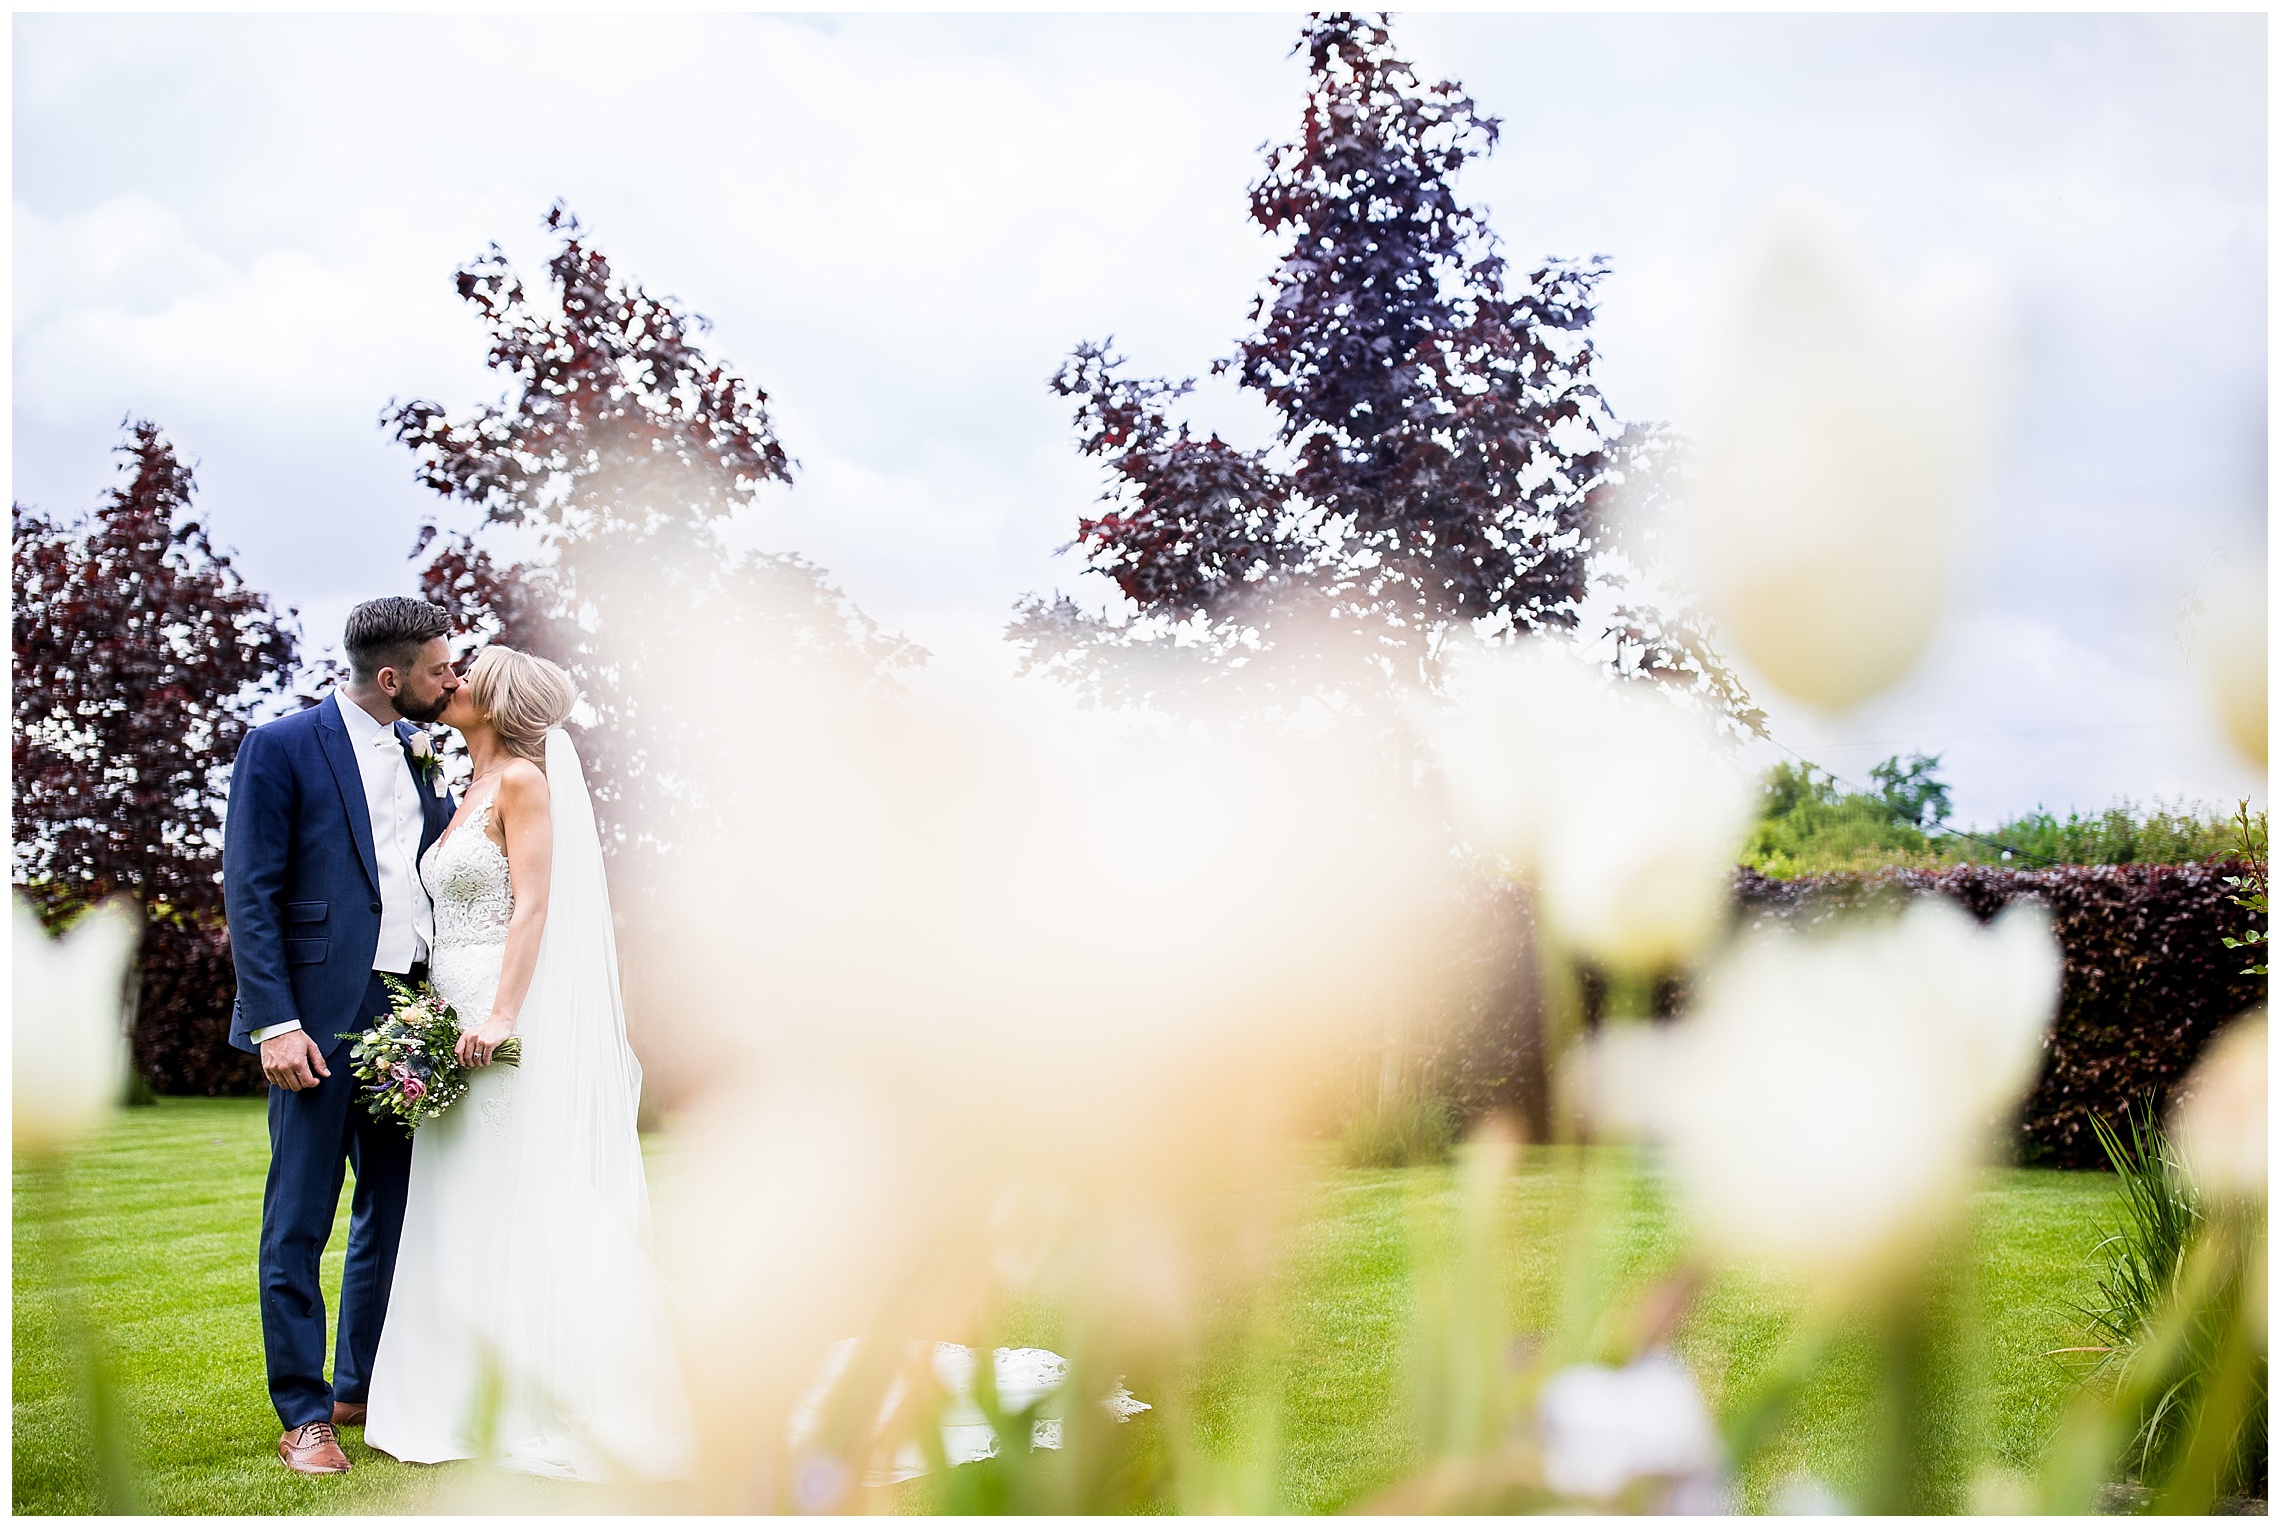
(315, 1136)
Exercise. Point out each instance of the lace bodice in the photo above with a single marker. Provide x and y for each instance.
(466, 878)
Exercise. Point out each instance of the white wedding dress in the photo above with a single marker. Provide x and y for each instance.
(526, 1323)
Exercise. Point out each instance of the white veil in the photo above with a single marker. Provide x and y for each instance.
(585, 1344)
(581, 1086)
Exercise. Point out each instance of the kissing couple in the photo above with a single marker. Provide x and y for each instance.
(498, 1295)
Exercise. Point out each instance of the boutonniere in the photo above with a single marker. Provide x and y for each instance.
(424, 760)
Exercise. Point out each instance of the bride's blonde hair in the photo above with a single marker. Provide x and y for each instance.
(524, 697)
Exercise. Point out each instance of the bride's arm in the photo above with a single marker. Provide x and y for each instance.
(526, 819)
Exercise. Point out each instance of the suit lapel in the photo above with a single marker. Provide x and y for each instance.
(332, 733)
(435, 811)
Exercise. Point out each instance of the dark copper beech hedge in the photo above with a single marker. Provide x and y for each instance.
(2148, 978)
(2148, 981)
(182, 1012)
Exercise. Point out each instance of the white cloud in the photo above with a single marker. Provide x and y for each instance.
(130, 253)
(2025, 713)
(245, 227)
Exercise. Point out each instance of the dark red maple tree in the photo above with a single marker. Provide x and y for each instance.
(1442, 454)
(621, 452)
(139, 658)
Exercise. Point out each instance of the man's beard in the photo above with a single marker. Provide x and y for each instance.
(421, 714)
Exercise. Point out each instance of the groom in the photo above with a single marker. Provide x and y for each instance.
(329, 812)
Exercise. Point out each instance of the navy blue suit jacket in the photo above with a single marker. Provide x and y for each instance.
(299, 878)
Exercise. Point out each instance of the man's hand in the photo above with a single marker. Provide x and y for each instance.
(292, 1061)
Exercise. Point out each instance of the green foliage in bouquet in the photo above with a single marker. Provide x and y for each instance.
(408, 1062)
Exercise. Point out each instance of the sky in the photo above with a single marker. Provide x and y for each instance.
(245, 229)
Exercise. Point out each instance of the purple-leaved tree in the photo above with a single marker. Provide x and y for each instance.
(139, 659)
(1442, 457)
(619, 457)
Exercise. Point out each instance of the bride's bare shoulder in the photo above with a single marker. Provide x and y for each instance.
(522, 784)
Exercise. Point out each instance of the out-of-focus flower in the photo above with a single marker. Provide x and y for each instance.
(1837, 430)
(1001, 956)
(2220, 1126)
(2235, 663)
(1826, 1101)
(1999, 1492)
(71, 1046)
(818, 1481)
(1803, 1495)
(1619, 1075)
(1601, 1428)
(1611, 793)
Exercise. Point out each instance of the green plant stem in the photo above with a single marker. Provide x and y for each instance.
(2192, 1488)
(2095, 1431)
(118, 1489)
(1476, 1359)
(1563, 1027)
(1598, 1205)
(1906, 1404)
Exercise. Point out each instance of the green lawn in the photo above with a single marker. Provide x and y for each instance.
(166, 1206)
(1341, 1354)
(166, 1217)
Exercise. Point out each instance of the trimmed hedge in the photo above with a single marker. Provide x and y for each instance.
(182, 1014)
(2147, 980)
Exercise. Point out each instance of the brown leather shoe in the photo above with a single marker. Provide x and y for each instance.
(348, 1413)
(313, 1450)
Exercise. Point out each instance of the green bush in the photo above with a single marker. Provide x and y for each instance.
(1806, 826)
(2123, 834)
(1407, 1128)
(2142, 1259)
(2141, 1256)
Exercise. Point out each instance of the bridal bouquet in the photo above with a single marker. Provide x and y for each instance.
(407, 1062)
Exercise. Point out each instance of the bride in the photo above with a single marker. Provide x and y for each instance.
(526, 1322)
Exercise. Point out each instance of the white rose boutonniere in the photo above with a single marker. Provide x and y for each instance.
(423, 758)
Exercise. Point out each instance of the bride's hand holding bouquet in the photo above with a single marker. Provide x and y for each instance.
(412, 1063)
(478, 1046)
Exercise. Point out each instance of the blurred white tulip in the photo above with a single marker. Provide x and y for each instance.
(1603, 1428)
(1803, 1495)
(1825, 1103)
(1837, 427)
(2234, 661)
(2220, 1126)
(68, 999)
(1611, 793)
(1619, 1076)
(1012, 1002)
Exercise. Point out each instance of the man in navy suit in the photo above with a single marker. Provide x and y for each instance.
(330, 810)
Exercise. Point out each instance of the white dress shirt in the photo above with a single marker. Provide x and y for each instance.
(392, 796)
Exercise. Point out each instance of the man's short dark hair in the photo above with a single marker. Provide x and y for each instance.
(389, 633)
